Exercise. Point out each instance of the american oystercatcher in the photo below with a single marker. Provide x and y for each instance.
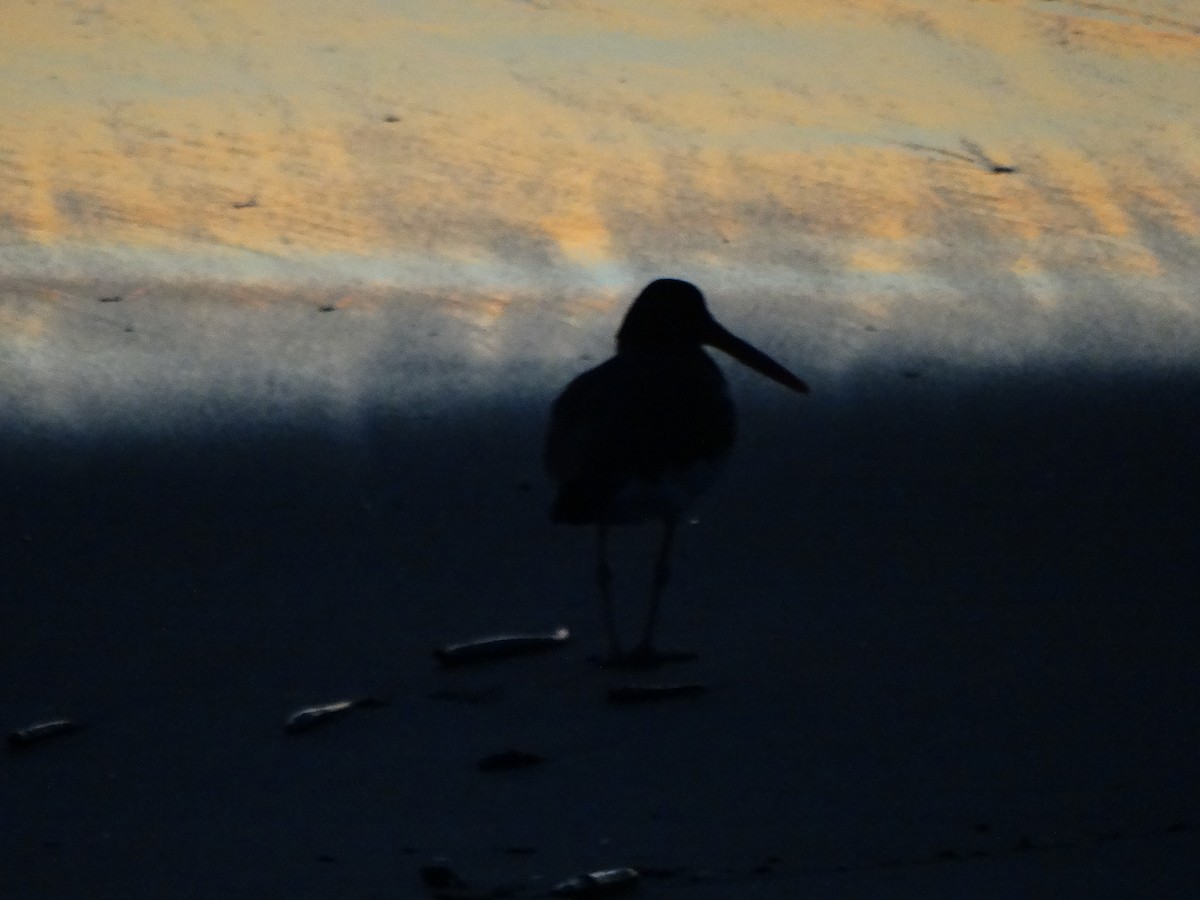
(640, 436)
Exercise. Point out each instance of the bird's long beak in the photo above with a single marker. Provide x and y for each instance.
(727, 342)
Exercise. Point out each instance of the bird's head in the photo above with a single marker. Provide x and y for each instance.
(670, 314)
(667, 313)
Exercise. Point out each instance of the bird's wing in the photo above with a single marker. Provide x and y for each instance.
(638, 416)
(583, 421)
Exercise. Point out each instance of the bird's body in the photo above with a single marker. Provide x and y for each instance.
(640, 436)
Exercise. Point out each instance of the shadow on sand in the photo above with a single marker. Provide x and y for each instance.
(924, 560)
(1070, 477)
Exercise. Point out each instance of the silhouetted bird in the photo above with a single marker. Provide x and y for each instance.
(640, 436)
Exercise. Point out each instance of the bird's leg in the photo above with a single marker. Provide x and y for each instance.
(662, 571)
(604, 582)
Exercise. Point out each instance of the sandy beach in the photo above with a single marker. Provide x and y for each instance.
(285, 297)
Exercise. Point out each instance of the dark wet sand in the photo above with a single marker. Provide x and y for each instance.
(948, 623)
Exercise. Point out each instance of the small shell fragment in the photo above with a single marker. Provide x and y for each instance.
(502, 646)
(40, 731)
(604, 883)
(312, 716)
(650, 693)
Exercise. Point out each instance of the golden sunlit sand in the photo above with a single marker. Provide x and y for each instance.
(862, 135)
